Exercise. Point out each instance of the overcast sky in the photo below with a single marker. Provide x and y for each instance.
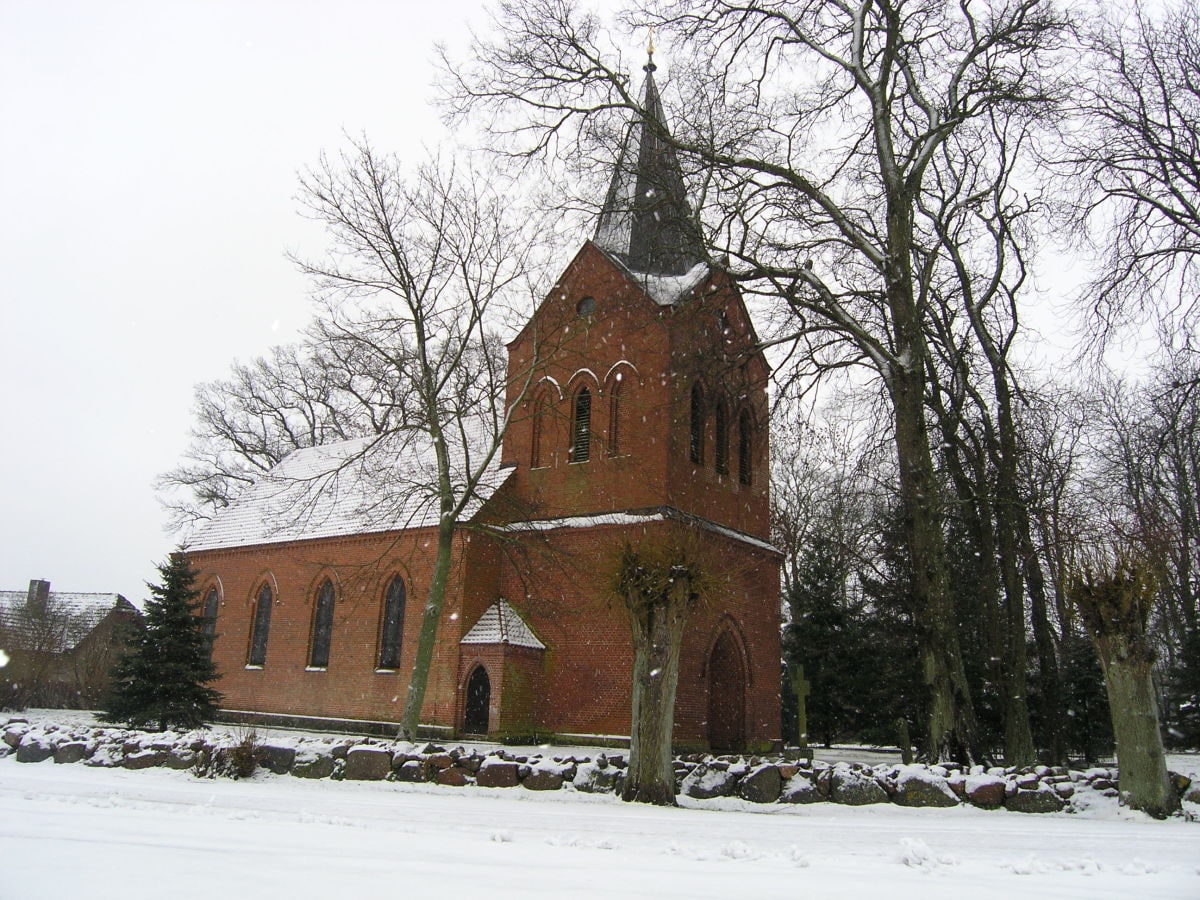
(149, 153)
(148, 161)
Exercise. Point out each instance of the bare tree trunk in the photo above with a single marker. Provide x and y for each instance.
(657, 638)
(1047, 652)
(659, 584)
(1115, 608)
(1144, 783)
(951, 734)
(435, 600)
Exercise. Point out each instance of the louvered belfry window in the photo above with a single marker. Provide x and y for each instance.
(721, 436)
(581, 434)
(393, 625)
(322, 630)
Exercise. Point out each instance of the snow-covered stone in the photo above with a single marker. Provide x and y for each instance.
(706, 782)
(800, 788)
(1043, 799)
(920, 786)
(34, 747)
(497, 773)
(854, 787)
(367, 764)
(762, 784)
(985, 791)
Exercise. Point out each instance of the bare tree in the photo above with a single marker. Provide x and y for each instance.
(1132, 149)
(984, 228)
(815, 125)
(425, 270)
(417, 278)
(299, 395)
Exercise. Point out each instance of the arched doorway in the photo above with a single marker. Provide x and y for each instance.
(479, 698)
(726, 696)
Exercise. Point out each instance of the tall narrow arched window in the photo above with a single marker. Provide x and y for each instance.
(581, 430)
(721, 438)
(322, 627)
(392, 632)
(209, 615)
(697, 435)
(541, 409)
(261, 627)
(744, 447)
(614, 416)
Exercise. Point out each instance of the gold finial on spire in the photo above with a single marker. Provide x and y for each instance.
(649, 66)
(650, 42)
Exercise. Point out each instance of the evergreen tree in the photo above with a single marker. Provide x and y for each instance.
(981, 633)
(1184, 731)
(890, 662)
(820, 639)
(1088, 728)
(160, 681)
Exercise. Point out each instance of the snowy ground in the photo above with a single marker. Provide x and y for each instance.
(75, 831)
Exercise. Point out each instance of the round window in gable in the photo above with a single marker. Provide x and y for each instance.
(586, 306)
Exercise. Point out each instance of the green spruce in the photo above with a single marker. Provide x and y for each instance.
(161, 680)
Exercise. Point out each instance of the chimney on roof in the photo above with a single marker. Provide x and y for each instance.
(39, 593)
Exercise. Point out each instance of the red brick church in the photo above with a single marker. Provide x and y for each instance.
(649, 416)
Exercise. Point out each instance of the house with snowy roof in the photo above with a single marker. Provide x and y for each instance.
(648, 418)
(60, 645)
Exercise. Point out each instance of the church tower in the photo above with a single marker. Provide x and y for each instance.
(638, 382)
(640, 404)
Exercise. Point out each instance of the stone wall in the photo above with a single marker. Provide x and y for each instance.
(702, 777)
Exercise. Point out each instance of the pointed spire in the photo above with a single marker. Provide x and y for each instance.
(646, 221)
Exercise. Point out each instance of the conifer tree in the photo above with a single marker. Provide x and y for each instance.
(161, 679)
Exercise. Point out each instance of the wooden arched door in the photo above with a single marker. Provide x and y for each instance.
(479, 700)
(726, 696)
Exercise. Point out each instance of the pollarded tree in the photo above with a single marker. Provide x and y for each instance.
(816, 125)
(658, 585)
(161, 680)
(1115, 608)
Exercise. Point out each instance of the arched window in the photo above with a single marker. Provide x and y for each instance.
(581, 432)
(697, 440)
(322, 628)
(209, 615)
(614, 415)
(541, 408)
(261, 628)
(744, 447)
(392, 633)
(721, 436)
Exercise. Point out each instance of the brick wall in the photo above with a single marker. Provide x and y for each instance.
(559, 581)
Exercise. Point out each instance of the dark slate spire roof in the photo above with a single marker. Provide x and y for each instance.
(646, 222)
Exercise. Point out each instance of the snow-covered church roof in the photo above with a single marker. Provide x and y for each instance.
(501, 624)
(361, 486)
